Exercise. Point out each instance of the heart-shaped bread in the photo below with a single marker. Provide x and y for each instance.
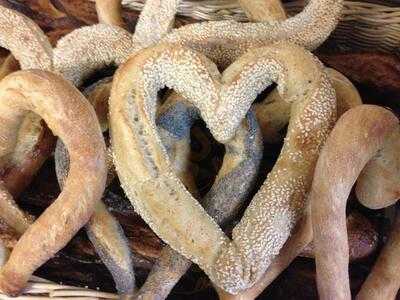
(223, 100)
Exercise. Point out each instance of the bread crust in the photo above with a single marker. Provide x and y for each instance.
(65, 111)
(344, 155)
(223, 100)
(231, 188)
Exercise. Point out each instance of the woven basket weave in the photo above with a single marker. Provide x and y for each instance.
(372, 25)
(364, 25)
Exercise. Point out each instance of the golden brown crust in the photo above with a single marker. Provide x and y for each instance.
(90, 48)
(35, 144)
(87, 49)
(233, 265)
(263, 10)
(273, 115)
(110, 12)
(300, 237)
(29, 45)
(378, 185)
(103, 229)
(66, 112)
(342, 158)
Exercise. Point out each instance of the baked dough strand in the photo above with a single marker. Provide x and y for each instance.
(342, 158)
(67, 113)
(223, 101)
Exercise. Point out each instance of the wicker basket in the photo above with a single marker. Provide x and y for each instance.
(372, 25)
(365, 25)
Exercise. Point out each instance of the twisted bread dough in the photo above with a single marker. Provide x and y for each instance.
(102, 225)
(156, 20)
(90, 48)
(342, 158)
(223, 101)
(105, 233)
(103, 230)
(66, 112)
(273, 115)
(76, 57)
(169, 269)
(87, 49)
(225, 41)
(31, 47)
(174, 122)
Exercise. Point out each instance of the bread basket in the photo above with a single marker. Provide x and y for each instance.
(372, 25)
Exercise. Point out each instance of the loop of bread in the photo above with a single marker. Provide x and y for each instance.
(342, 158)
(378, 185)
(273, 114)
(19, 167)
(33, 142)
(76, 57)
(103, 230)
(87, 49)
(65, 111)
(91, 48)
(225, 41)
(174, 123)
(230, 189)
(223, 101)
